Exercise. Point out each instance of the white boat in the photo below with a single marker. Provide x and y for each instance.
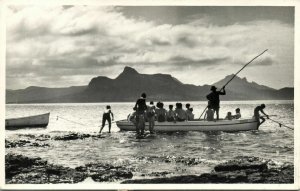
(27, 122)
(197, 125)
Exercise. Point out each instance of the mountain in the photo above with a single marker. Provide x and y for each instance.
(241, 89)
(34, 94)
(130, 84)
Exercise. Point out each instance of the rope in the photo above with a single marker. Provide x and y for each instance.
(280, 124)
(70, 121)
(80, 123)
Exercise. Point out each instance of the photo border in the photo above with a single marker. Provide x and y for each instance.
(293, 3)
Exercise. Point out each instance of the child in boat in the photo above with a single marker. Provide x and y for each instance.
(132, 116)
(209, 114)
(237, 114)
(171, 115)
(106, 117)
(191, 115)
(180, 113)
(161, 113)
(189, 112)
(151, 116)
(229, 116)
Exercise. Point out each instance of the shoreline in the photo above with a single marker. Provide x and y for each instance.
(20, 169)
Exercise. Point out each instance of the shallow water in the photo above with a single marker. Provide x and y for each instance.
(169, 152)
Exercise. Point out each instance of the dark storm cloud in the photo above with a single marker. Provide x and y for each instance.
(262, 61)
(216, 15)
(187, 41)
(179, 61)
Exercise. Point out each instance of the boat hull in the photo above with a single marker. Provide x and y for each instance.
(221, 125)
(28, 122)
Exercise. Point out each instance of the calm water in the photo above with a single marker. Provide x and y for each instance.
(151, 155)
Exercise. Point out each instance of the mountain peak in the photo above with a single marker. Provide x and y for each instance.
(128, 71)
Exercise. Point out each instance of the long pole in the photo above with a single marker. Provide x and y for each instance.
(236, 74)
(280, 124)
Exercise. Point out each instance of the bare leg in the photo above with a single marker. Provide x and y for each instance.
(137, 125)
(103, 124)
(142, 125)
(109, 124)
(263, 120)
(217, 112)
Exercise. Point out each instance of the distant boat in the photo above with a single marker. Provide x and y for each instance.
(198, 125)
(27, 122)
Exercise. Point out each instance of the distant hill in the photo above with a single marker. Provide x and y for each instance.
(130, 84)
(34, 94)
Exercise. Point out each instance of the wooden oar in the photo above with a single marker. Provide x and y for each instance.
(236, 74)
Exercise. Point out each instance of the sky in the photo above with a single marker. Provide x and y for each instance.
(62, 46)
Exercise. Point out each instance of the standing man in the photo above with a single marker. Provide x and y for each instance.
(257, 116)
(214, 100)
(141, 107)
(106, 117)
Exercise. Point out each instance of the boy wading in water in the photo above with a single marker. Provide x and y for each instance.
(257, 116)
(106, 116)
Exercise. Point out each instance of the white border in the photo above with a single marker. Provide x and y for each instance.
(296, 3)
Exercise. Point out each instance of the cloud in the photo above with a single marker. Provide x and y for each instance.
(76, 41)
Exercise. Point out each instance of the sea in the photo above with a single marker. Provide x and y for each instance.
(165, 154)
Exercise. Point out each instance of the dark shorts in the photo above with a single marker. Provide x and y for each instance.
(214, 106)
(106, 117)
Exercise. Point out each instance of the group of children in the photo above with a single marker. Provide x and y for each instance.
(209, 115)
(160, 114)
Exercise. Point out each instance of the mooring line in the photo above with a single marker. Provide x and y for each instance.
(81, 123)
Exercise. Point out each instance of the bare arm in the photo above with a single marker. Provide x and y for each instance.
(264, 113)
(222, 91)
(112, 115)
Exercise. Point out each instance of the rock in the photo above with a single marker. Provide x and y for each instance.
(243, 163)
(38, 145)
(164, 173)
(12, 144)
(23, 143)
(15, 164)
(72, 136)
(24, 170)
(172, 180)
(284, 174)
(242, 169)
(105, 172)
(75, 136)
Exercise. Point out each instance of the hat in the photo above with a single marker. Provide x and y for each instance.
(213, 88)
(143, 95)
